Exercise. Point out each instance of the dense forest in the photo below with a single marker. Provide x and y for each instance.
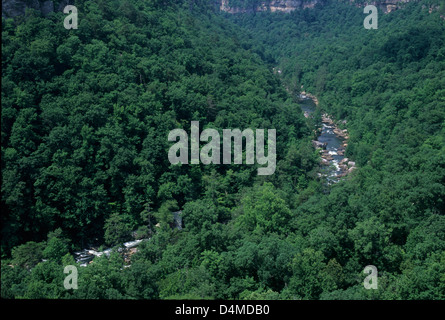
(85, 117)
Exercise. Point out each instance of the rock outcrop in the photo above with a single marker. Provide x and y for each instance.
(272, 5)
(14, 8)
(386, 6)
(290, 5)
(318, 144)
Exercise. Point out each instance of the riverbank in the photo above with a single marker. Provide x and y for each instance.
(307, 95)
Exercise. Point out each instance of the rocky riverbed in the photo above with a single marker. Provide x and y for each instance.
(331, 142)
(336, 141)
(85, 256)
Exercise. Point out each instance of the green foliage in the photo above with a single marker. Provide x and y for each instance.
(56, 246)
(85, 120)
(28, 254)
(117, 229)
(14, 280)
(264, 211)
(86, 114)
(388, 84)
(307, 280)
(46, 282)
(187, 284)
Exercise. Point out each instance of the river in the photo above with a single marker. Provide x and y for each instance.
(331, 141)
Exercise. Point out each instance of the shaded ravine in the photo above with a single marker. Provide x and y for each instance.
(331, 142)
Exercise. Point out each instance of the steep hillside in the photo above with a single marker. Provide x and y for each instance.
(86, 116)
(388, 84)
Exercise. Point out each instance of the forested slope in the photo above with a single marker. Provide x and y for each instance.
(85, 119)
(389, 84)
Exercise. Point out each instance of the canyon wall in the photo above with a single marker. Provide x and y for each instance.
(273, 6)
(13, 8)
(291, 5)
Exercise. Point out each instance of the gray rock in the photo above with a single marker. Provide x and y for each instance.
(47, 7)
(14, 8)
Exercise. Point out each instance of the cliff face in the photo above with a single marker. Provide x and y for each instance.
(278, 5)
(13, 8)
(291, 5)
(385, 5)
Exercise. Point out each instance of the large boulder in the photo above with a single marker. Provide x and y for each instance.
(318, 144)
